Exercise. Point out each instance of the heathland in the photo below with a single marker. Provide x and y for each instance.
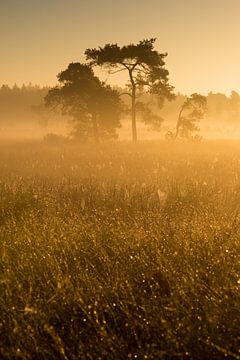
(119, 251)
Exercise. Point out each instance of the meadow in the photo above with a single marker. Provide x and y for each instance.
(120, 251)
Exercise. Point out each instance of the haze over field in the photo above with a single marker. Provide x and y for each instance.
(24, 116)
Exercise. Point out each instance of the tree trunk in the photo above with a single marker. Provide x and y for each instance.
(134, 122)
(178, 123)
(95, 128)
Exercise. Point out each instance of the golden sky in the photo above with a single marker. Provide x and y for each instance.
(38, 39)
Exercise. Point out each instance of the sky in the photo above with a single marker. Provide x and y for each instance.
(38, 39)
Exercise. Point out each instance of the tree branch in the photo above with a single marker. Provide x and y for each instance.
(123, 64)
(112, 72)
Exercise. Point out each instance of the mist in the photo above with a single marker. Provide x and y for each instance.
(23, 116)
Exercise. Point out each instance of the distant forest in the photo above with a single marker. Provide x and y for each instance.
(25, 104)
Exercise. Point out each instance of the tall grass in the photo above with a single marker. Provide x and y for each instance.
(119, 251)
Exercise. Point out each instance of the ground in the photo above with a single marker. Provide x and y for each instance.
(119, 251)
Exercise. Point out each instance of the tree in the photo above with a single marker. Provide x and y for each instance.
(145, 68)
(193, 109)
(94, 106)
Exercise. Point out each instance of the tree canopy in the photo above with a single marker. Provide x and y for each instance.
(145, 67)
(94, 106)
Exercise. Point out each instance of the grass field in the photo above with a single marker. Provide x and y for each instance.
(120, 251)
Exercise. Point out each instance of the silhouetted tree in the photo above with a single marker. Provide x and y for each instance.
(145, 67)
(193, 109)
(94, 106)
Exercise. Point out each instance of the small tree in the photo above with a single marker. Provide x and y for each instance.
(144, 65)
(94, 106)
(193, 109)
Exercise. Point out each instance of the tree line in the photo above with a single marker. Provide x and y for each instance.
(97, 110)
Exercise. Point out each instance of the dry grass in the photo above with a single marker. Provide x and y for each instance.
(119, 252)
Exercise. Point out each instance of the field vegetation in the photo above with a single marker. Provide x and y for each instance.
(119, 251)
